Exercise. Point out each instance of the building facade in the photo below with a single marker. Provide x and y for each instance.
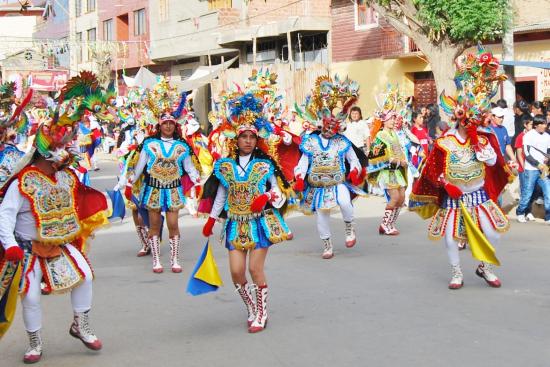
(290, 37)
(126, 24)
(369, 50)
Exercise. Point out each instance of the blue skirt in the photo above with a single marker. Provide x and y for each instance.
(261, 240)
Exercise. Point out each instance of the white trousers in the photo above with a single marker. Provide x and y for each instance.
(346, 207)
(452, 244)
(81, 296)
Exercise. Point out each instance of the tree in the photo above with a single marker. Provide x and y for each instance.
(443, 29)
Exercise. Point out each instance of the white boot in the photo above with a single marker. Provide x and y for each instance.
(485, 271)
(393, 218)
(457, 278)
(246, 293)
(143, 235)
(260, 321)
(328, 252)
(34, 351)
(174, 253)
(154, 244)
(350, 235)
(80, 329)
(385, 226)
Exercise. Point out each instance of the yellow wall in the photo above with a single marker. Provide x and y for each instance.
(531, 51)
(374, 75)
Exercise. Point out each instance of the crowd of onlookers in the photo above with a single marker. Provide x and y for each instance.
(523, 133)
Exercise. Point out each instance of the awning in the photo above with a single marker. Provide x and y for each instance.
(531, 64)
(144, 79)
(203, 75)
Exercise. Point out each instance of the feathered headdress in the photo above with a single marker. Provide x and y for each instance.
(477, 80)
(81, 95)
(329, 102)
(162, 99)
(16, 121)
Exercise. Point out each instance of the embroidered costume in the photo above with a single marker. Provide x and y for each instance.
(463, 176)
(249, 190)
(321, 173)
(47, 216)
(165, 162)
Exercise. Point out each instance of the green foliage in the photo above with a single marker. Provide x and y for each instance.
(462, 21)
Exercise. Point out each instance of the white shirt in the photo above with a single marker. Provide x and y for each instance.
(16, 215)
(357, 132)
(508, 122)
(221, 194)
(188, 165)
(540, 141)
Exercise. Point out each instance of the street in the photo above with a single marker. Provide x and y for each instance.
(384, 302)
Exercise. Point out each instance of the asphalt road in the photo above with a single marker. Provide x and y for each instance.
(384, 302)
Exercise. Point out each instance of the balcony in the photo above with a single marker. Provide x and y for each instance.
(394, 45)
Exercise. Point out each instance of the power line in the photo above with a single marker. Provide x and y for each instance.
(230, 23)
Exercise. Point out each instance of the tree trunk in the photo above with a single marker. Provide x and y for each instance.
(442, 61)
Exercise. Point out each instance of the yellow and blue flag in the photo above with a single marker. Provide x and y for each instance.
(205, 276)
(8, 296)
(482, 249)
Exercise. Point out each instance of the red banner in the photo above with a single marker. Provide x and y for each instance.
(49, 81)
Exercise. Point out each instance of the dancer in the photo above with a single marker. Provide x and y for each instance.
(12, 122)
(321, 173)
(130, 138)
(465, 167)
(164, 159)
(388, 169)
(250, 190)
(50, 247)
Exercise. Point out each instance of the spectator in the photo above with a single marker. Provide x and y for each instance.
(508, 118)
(520, 156)
(520, 108)
(419, 131)
(434, 123)
(357, 130)
(502, 134)
(537, 108)
(536, 145)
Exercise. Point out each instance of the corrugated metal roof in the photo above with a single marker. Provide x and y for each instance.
(540, 26)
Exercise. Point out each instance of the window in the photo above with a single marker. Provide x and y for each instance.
(90, 5)
(78, 7)
(139, 22)
(79, 48)
(91, 42)
(108, 30)
(365, 16)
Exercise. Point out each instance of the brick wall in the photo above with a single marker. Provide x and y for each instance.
(351, 45)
